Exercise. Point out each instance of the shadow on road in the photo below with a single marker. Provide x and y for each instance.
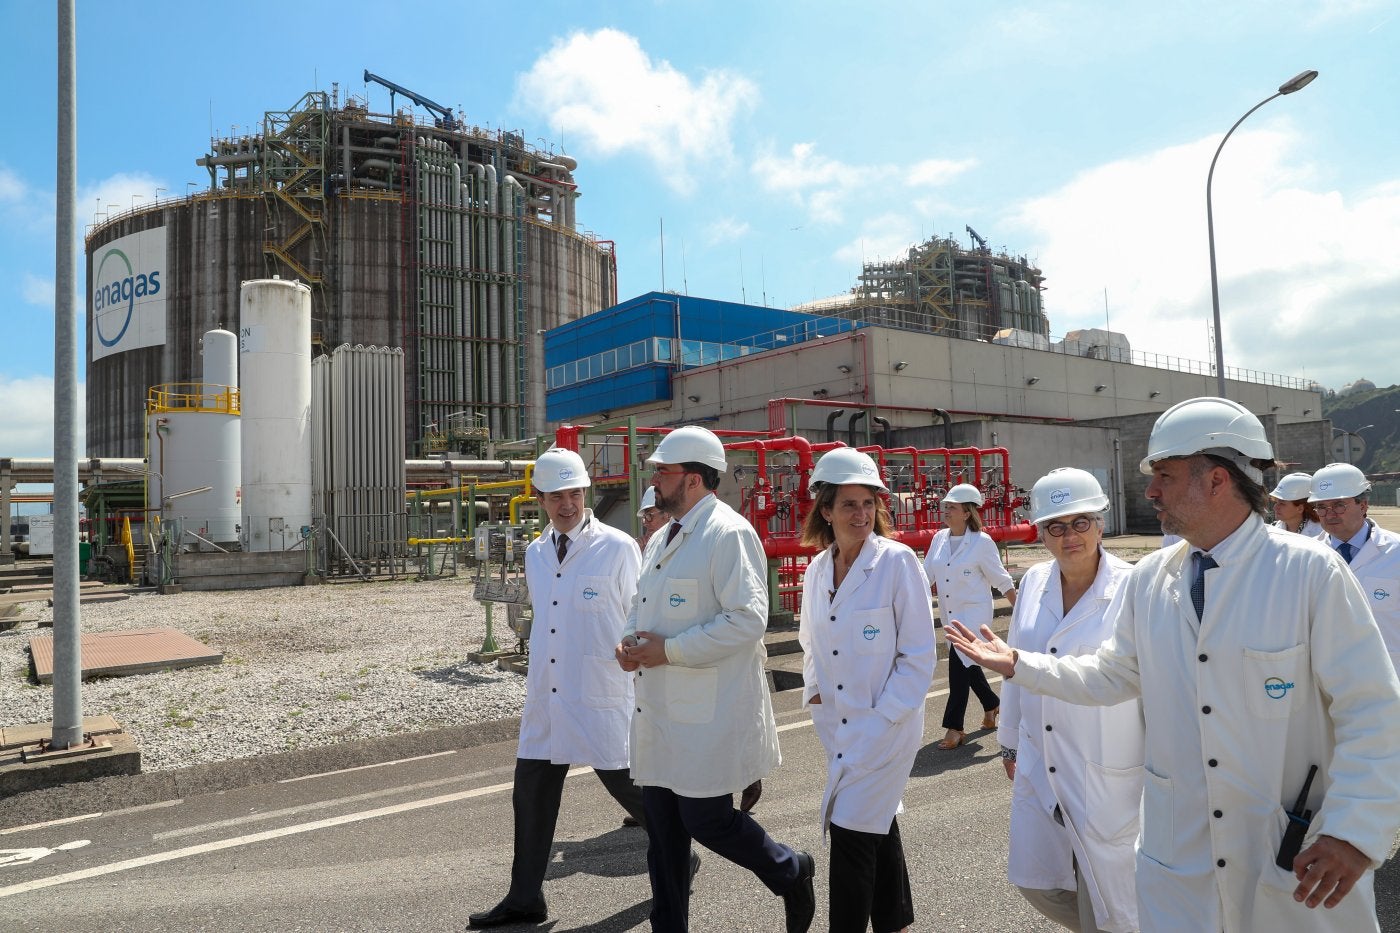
(618, 853)
(932, 760)
(456, 675)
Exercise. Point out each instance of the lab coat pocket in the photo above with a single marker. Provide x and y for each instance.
(1113, 799)
(602, 683)
(1272, 680)
(678, 600)
(872, 631)
(1158, 840)
(690, 693)
(588, 594)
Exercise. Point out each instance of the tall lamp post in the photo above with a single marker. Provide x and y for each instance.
(1295, 84)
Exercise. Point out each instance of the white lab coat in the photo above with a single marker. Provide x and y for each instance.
(965, 579)
(1377, 569)
(870, 653)
(578, 702)
(1288, 670)
(703, 724)
(1095, 753)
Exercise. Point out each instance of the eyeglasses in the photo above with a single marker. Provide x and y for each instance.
(661, 471)
(1058, 529)
(1339, 506)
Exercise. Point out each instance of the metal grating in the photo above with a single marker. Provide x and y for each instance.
(118, 654)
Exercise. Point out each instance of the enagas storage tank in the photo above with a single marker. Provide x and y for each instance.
(274, 355)
(193, 443)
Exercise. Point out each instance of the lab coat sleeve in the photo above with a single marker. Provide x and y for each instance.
(738, 572)
(625, 574)
(1105, 678)
(810, 688)
(915, 650)
(1353, 671)
(1009, 726)
(989, 563)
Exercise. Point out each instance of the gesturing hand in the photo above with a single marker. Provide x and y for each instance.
(993, 653)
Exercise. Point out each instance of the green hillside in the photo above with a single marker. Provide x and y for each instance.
(1377, 407)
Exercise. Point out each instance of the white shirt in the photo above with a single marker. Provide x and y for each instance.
(578, 702)
(1287, 671)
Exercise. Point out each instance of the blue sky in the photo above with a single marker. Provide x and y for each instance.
(782, 142)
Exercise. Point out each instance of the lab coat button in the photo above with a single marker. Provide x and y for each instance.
(843, 722)
(1051, 769)
(558, 575)
(840, 687)
(644, 599)
(1212, 763)
(1218, 814)
(555, 603)
(1220, 862)
(1049, 728)
(553, 631)
(1054, 650)
(1206, 710)
(833, 618)
(1201, 658)
(838, 755)
(834, 651)
(553, 689)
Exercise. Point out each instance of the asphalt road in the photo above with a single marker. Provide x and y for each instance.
(420, 844)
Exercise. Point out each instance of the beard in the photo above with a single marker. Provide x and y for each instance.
(668, 504)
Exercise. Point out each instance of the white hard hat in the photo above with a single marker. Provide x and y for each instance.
(1338, 481)
(557, 469)
(847, 465)
(690, 444)
(1066, 491)
(1209, 426)
(648, 500)
(1293, 487)
(964, 494)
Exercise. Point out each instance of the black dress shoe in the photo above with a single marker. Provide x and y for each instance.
(502, 914)
(800, 900)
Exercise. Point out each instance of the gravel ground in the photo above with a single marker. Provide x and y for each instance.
(303, 667)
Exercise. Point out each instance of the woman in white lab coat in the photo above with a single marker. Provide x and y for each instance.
(1292, 508)
(868, 658)
(1077, 769)
(962, 565)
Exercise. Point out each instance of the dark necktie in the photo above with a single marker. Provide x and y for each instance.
(1204, 562)
(1346, 550)
(674, 530)
(561, 546)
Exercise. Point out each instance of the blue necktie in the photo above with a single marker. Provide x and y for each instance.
(1346, 550)
(1204, 562)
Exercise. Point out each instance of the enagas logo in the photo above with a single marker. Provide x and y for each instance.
(1059, 496)
(1324, 485)
(566, 473)
(870, 632)
(117, 283)
(867, 469)
(676, 599)
(590, 593)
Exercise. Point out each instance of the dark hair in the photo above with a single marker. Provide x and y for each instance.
(816, 530)
(708, 474)
(974, 515)
(1309, 511)
(1251, 493)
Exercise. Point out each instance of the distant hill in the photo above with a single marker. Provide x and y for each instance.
(1374, 407)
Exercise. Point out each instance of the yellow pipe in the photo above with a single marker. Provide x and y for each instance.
(494, 484)
(414, 542)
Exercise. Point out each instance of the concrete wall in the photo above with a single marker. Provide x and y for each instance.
(240, 570)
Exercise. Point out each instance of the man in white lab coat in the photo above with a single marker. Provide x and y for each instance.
(703, 726)
(582, 575)
(1341, 494)
(1256, 661)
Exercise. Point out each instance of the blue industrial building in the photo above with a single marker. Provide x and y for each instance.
(625, 355)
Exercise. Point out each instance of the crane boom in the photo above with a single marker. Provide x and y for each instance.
(445, 118)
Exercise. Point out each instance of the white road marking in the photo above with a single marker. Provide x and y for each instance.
(29, 856)
(382, 764)
(91, 816)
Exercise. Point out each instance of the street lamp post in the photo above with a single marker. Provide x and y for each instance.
(1297, 83)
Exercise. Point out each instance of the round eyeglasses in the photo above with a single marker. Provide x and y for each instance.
(1058, 529)
(1339, 506)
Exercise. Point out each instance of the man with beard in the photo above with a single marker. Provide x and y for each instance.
(1258, 664)
(703, 726)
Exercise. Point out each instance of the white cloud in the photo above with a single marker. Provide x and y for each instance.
(1307, 277)
(822, 186)
(38, 291)
(603, 87)
(116, 194)
(887, 236)
(725, 230)
(12, 187)
(27, 428)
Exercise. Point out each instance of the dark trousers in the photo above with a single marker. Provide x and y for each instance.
(539, 786)
(673, 821)
(869, 882)
(961, 677)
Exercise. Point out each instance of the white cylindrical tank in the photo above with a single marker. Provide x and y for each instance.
(192, 448)
(220, 354)
(274, 364)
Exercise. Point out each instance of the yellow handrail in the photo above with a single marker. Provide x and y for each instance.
(193, 396)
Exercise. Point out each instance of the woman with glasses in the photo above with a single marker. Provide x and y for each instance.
(1077, 769)
(1291, 505)
(962, 566)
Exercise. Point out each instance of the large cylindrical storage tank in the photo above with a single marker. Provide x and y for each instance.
(274, 359)
(220, 353)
